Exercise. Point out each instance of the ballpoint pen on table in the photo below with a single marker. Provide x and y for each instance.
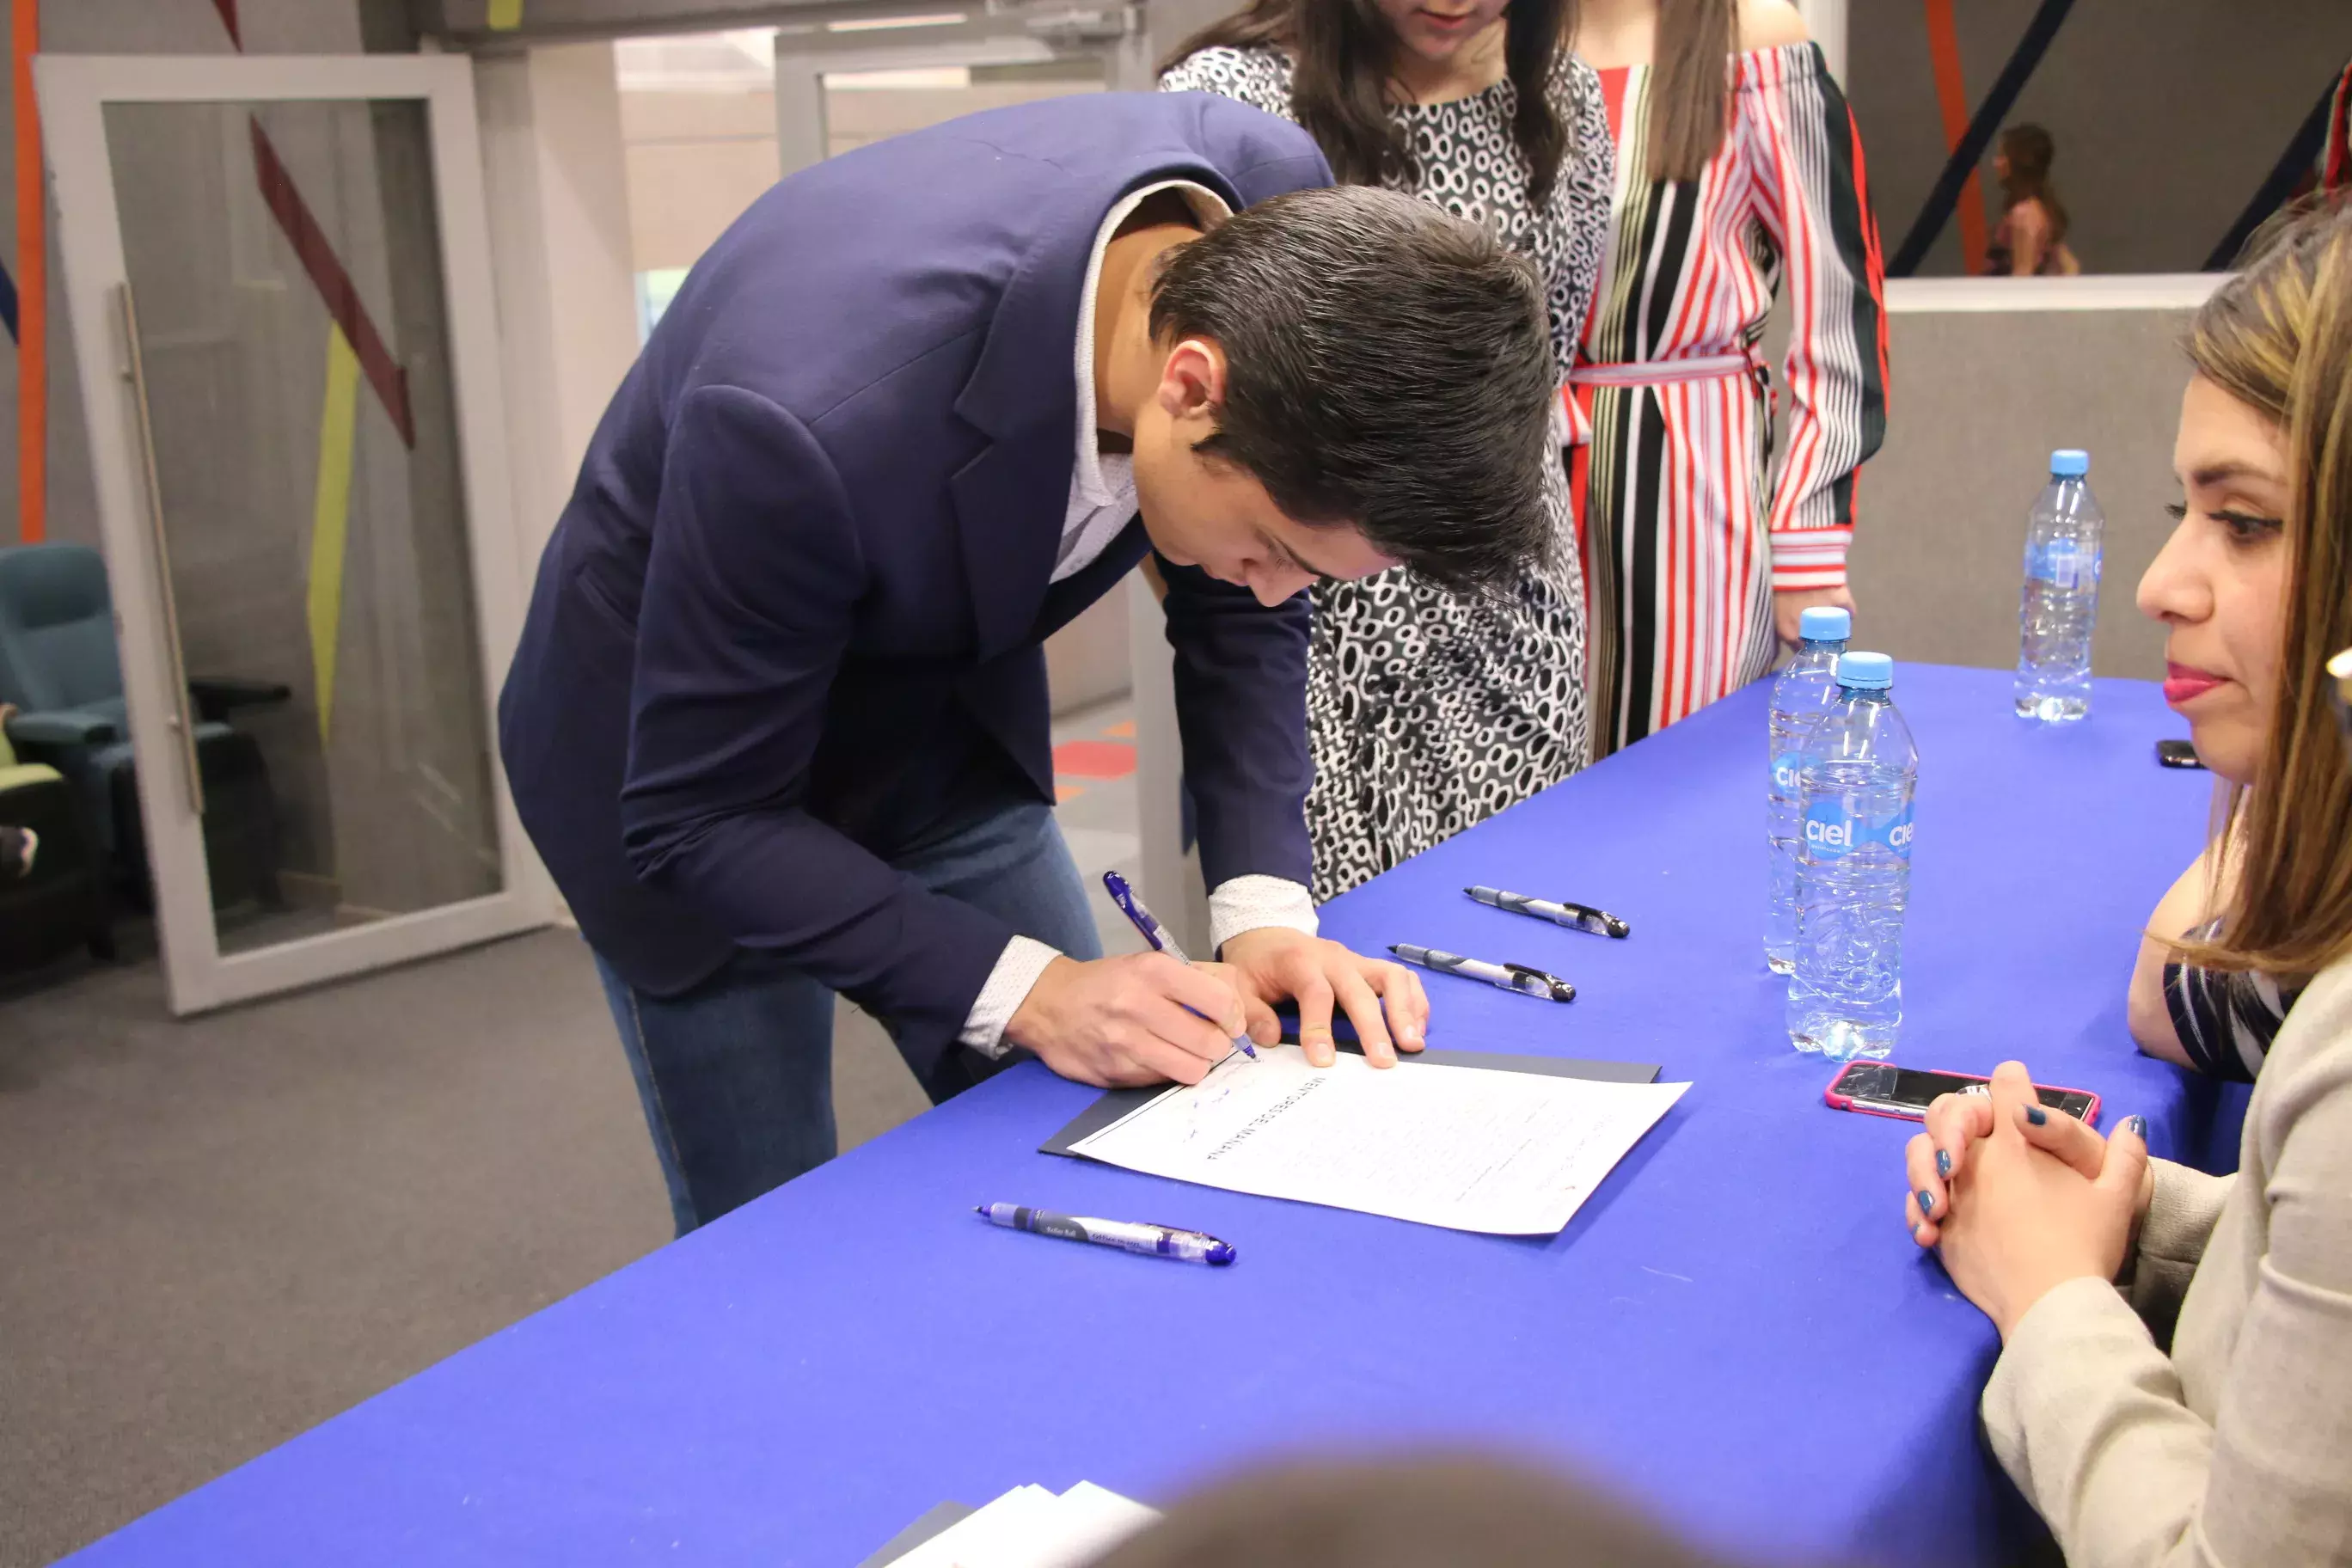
(1157, 935)
(1152, 1240)
(1515, 977)
(1575, 917)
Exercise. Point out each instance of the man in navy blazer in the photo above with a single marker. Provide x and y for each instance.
(778, 723)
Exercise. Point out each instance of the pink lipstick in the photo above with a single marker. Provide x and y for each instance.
(2185, 683)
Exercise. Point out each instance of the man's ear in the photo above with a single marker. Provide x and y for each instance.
(1192, 381)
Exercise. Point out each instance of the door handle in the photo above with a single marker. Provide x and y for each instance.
(180, 720)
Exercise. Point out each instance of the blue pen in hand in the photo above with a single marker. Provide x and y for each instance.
(1157, 935)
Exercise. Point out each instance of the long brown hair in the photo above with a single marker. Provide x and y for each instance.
(1690, 85)
(2030, 152)
(2278, 337)
(1342, 54)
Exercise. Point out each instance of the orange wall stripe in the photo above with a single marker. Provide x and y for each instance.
(32, 282)
(1952, 98)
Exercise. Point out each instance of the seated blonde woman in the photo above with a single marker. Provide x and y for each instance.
(2175, 1381)
(2220, 587)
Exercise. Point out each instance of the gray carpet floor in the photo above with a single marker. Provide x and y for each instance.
(215, 1233)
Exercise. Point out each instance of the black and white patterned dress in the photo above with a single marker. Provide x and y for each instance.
(1429, 711)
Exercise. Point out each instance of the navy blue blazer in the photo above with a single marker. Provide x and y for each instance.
(790, 623)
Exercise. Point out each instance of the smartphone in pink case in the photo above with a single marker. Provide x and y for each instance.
(1882, 1088)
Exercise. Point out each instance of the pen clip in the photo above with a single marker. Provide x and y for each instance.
(1132, 907)
(1535, 983)
(1599, 922)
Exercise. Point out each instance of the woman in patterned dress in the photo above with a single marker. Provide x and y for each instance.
(1428, 711)
(1727, 181)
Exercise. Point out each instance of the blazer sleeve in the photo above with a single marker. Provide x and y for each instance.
(2090, 1418)
(1241, 710)
(1805, 152)
(2181, 1213)
(755, 569)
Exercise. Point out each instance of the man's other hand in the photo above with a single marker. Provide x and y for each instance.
(1275, 963)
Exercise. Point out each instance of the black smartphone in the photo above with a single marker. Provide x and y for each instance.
(1882, 1088)
(2178, 754)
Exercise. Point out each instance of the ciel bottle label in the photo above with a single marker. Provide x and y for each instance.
(1831, 833)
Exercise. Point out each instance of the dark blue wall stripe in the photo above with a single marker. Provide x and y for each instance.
(2293, 169)
(8, 302)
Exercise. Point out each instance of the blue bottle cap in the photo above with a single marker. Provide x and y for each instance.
(2070, 462)
(1865, 671)
(1825, 623)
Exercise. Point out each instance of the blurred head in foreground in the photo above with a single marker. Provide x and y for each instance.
(1459, 1510)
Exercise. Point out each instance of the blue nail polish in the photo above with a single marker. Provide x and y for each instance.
(2137, 1125)
(2036, 1115)
(1926, 1202)
(1944, 1164)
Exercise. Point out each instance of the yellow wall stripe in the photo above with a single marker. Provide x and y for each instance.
(330, 516)
(506, 16)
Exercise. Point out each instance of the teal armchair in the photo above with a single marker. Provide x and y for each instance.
(58, 669)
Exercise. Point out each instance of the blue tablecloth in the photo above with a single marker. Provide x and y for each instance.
(1735, 1330)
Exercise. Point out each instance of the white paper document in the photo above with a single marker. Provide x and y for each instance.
(1468, 1148)
(1029, 1527)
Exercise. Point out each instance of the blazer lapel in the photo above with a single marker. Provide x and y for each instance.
(1023, 394)
(1009, 503)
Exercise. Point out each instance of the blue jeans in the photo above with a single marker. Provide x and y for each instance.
(736, 1074)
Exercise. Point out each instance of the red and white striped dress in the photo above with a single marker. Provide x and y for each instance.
(1683, 539)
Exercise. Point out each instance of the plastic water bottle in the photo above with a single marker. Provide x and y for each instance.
(1801, 697)
(2060, 602)
(1853, 872)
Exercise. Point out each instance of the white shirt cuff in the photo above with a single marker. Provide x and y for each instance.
(1246, 903)
(1009, 984)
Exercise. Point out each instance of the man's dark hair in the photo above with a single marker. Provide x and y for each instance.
(1388, 367)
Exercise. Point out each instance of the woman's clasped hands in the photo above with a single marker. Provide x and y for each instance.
(2018, 1199)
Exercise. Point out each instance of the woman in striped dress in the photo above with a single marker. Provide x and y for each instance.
(1696, 565)
(1428, 710)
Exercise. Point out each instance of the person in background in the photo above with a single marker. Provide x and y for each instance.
(2175, 1381)
(1430, 711)
(2030, 239)
(1460, 1511)
(1738, 167)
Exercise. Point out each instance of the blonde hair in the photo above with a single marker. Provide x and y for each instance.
(2278, 337)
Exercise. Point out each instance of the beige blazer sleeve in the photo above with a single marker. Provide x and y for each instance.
(2181, 1215)
(2235, 1449)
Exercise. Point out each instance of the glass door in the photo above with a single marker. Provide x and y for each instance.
(842, 83)
(279, 274)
